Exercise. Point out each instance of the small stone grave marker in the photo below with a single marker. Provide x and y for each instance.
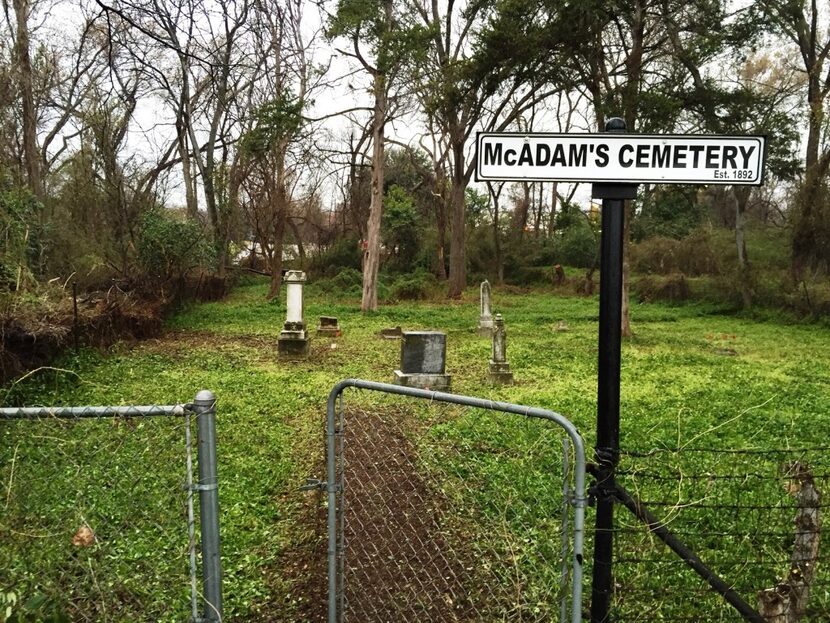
(391, 333)
(329, 327)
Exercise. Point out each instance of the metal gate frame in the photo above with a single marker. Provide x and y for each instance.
(333, 486)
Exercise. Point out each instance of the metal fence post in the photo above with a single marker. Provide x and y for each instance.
(205, 407)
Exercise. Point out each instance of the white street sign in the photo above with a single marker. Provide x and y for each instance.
(621, 158)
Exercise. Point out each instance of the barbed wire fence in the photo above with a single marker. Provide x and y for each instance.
(98, 516)
(752, 517)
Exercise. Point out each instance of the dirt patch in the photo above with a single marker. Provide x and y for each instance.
(177, 341)
(401, 560)
(33, 335)
(305, 565)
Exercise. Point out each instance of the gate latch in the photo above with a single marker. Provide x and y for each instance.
(314, 483)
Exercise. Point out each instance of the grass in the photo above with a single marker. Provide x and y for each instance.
(690, 378)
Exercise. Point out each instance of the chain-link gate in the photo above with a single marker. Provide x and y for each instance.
(459, 519)
(106, 468)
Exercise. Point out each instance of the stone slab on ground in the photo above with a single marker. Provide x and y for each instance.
(440, 382)
(391, 333)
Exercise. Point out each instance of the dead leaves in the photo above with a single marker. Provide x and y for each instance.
(84, 537)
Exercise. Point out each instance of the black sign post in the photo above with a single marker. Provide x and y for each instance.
(607, 449)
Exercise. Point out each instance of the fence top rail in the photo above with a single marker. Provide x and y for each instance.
(467, 401)
(68, 413)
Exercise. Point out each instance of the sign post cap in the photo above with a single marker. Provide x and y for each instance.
(615, 124)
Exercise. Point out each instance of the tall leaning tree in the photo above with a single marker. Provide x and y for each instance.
(273, 146)
(382, 40)
(25, 85)
(208, 44)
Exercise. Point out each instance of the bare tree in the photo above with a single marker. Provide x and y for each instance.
(388, 36)
(207, 39)
(22, 10)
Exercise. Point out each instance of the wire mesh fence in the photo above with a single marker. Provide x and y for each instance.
(754, 518)
(452, 514)
(97, 513)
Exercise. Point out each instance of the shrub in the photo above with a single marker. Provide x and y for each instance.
(400, 228)
(427, 257)
(170, 248)
(480, 252)
(531, 275)
(344, 253)
(21, 235)
(578, 246)
(672, 288)
(348, 282)
(669, 211)
(346, 279)
(416, 286)
(694, 255)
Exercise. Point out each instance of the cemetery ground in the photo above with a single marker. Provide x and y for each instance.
(691, 378)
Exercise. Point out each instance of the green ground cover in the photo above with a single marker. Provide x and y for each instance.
(691, 378)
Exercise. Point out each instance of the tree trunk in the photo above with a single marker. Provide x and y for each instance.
(497, 233)
(276, 258)
(217, 216)
(298, 240)
(631, 95)
(540, 206)
(191, 201)
(440, 220)
(280, 200)
(521, 213)
(626, 271)
(553, 199)
(458, 260)
(741, 196)
(458, 277)
(442, 242)
(806, 229)
(787, 601)
(371, 257)
(29, 114)
(811, 228)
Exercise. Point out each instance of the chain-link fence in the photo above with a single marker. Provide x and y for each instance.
(97, 513)
(447, 513)
(753, 517)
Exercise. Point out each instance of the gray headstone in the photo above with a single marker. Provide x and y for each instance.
(328, 327)
(486, 311)
(423, 352)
